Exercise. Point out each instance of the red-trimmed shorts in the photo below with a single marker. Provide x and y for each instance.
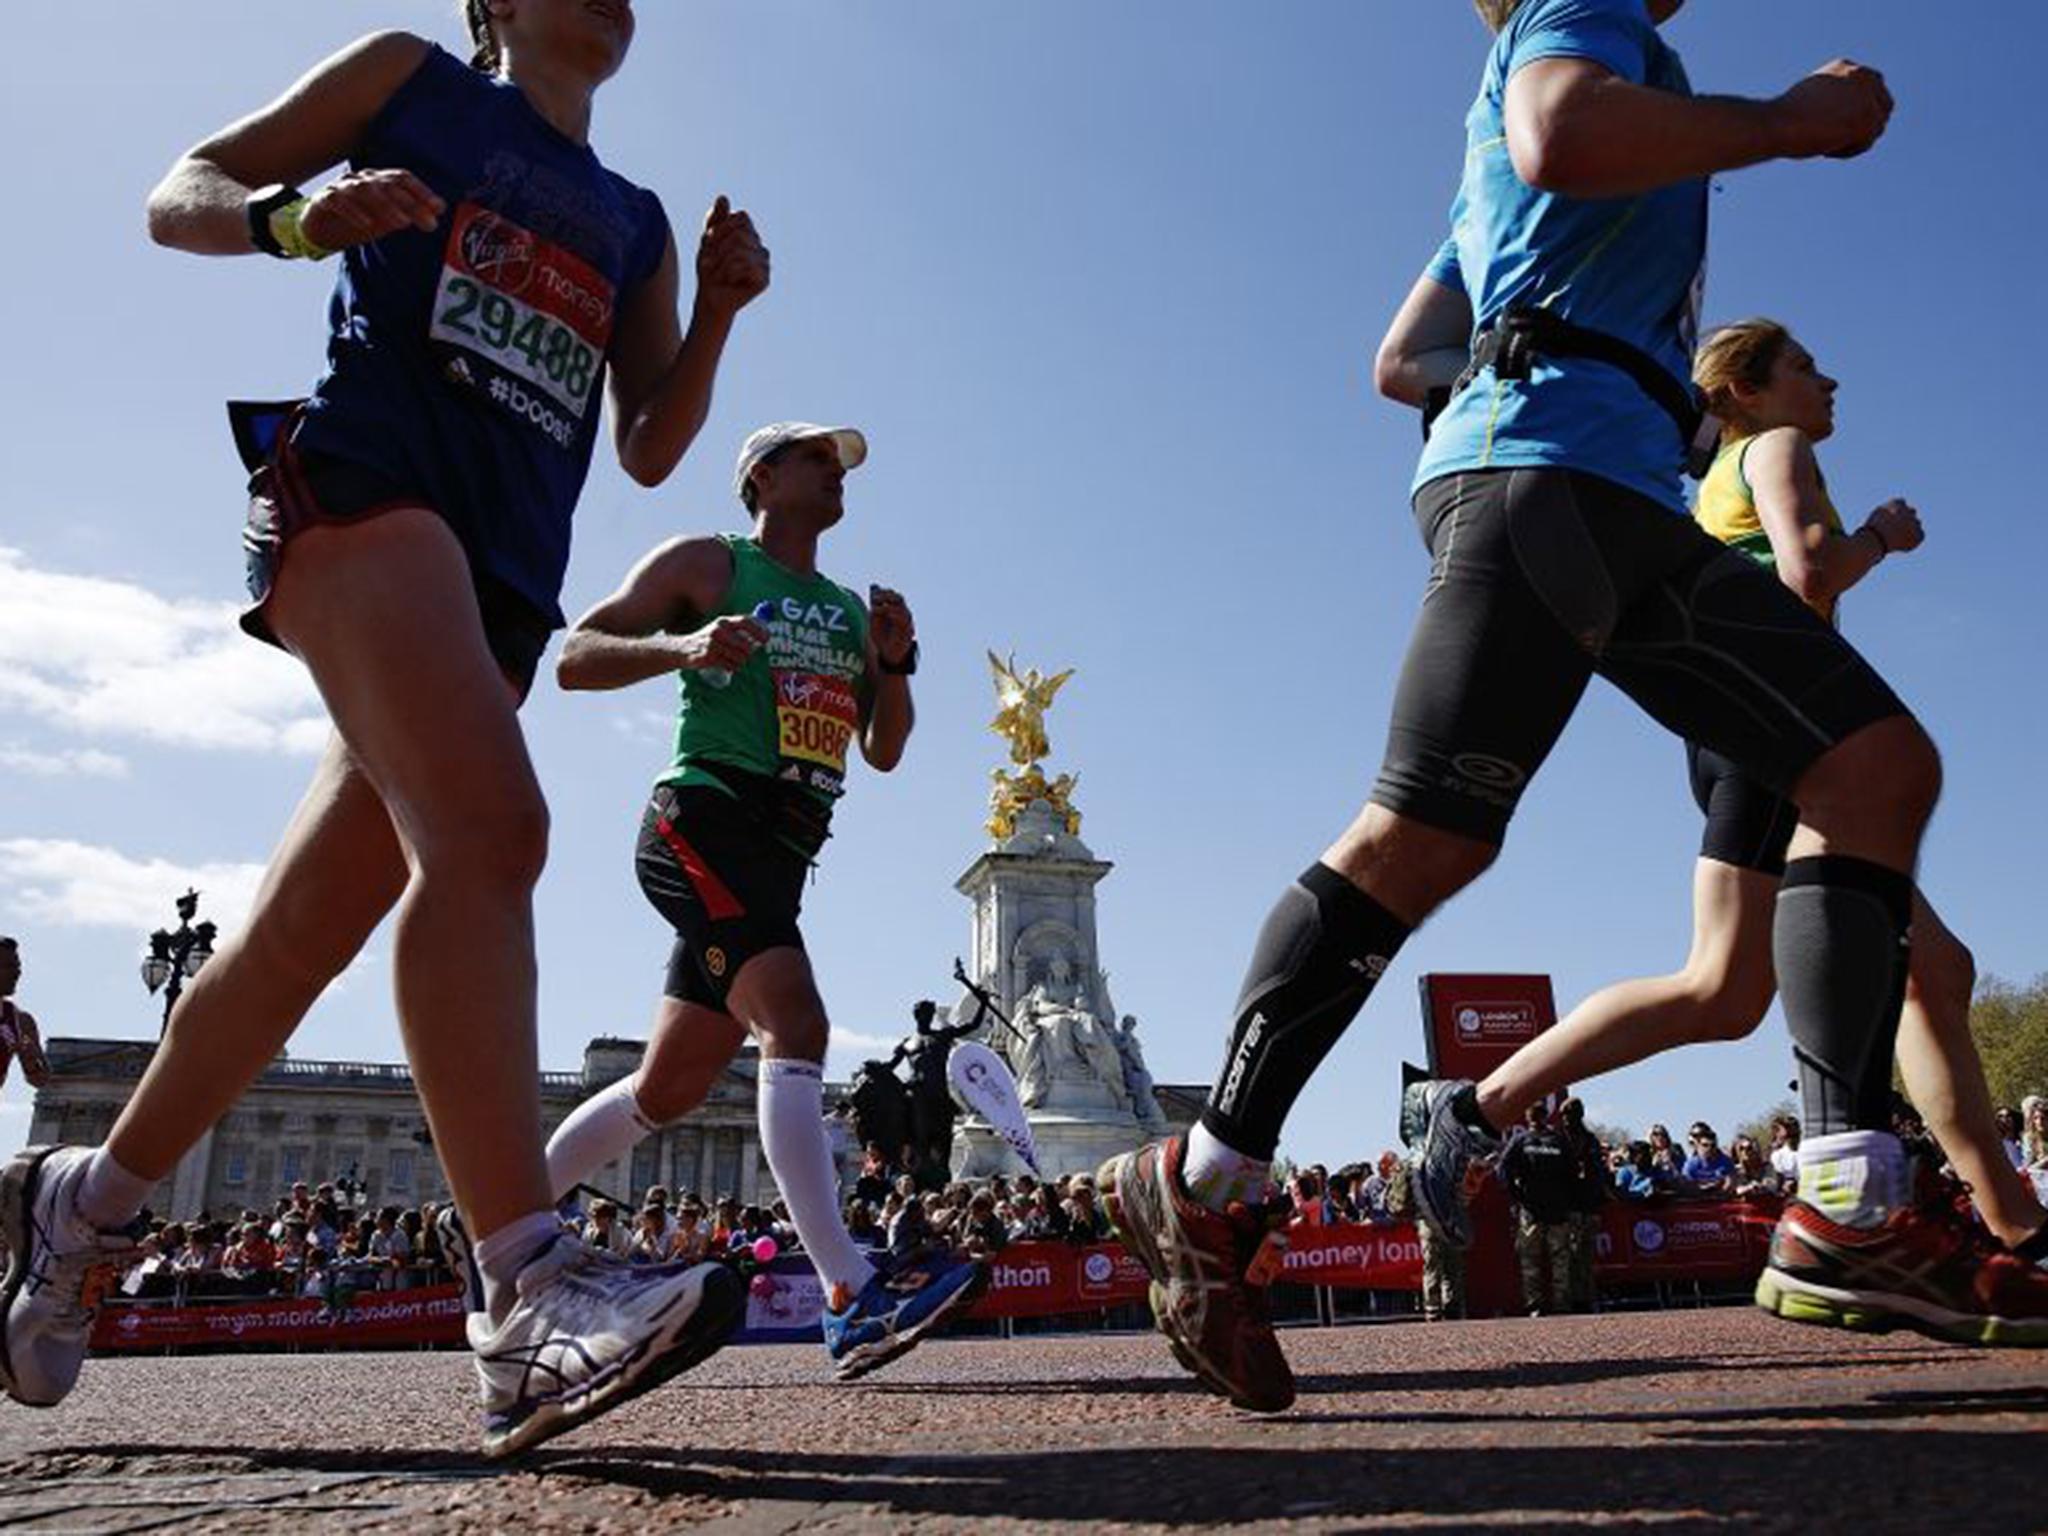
(715, 868)
(301, 488)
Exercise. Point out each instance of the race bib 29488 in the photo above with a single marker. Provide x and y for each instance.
(522, 320)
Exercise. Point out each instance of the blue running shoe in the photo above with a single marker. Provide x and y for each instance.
(1441, 1149)
(906, 1299)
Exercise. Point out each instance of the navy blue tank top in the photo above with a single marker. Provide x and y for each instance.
(468, 364)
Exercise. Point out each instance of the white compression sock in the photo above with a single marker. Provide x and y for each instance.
(1857, 1178)
(1216, 1173)
(109, 1195)
(800, 1156)
(501, 1256)
(602, 1129)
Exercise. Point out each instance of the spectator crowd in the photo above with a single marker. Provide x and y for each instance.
(1557, 1173)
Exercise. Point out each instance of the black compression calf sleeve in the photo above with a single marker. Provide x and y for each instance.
(1841, 939)
(1323, 946)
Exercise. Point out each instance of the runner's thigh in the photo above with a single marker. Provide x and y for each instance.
(1491, 674)
(1719, 650)
(384, 613)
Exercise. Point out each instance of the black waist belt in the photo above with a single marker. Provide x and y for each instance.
(1522, 334)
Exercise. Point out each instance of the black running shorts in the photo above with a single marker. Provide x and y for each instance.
(1748, 825)
(1540, 578)
(299, 488)
(713, 866)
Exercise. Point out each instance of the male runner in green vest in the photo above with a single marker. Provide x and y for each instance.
(780, 670)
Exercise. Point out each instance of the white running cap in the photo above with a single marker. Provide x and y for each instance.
(853, 448)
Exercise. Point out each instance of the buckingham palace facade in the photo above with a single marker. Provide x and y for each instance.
(334, 1120)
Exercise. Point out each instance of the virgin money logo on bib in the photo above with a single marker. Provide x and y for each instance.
(499, 252)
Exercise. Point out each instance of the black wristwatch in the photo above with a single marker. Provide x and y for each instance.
(264, 202)
(905, 668)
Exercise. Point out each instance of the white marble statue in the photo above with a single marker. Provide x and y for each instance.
(1138, 1078)
(1061, 1045)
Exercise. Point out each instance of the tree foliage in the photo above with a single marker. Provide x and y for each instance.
(1758, 1126)
(1612, 1135)
(2010, 1026)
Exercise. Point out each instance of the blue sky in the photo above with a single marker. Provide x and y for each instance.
(1101, 283)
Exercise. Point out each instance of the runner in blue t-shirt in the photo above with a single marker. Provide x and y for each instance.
(1548, 499)
(407, 535)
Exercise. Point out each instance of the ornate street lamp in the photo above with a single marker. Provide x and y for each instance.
(174, 956)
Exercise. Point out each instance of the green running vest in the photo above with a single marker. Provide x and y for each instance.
(792, 712)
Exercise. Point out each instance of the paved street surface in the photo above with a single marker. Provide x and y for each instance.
(1677, 1421)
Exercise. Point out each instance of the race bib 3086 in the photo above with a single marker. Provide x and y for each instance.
(816, 717)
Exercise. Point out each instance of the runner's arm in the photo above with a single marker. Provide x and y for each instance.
(1427, 345)
(1813, 560)
(201, 204)
(660, 380)
(892, 633)
(28, 1045)
(640, 630)
(1576, 128)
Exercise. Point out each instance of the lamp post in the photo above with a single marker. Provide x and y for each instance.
(174, 956)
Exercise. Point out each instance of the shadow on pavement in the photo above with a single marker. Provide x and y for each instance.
(1775, 1479)
(1447, 1378)
(1771, 1478)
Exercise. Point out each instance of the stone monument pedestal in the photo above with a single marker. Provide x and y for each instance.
(1067, 1143)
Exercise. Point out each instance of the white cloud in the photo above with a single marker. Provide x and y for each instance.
(645, 724)
(857, 1041)
(110, 658)
(84, 762)
(80, 885)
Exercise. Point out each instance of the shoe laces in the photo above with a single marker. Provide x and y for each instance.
(62, 1276)
(1942, 1202)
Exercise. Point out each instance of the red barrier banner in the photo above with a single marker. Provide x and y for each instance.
(1474, 1023)
(1350, 1256)
(1042, 1279)
(1710, 1240)
(432, 1314)
(1676, 1240)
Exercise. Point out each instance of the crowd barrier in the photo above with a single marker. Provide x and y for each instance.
(431, 1314)
(1708, 1242)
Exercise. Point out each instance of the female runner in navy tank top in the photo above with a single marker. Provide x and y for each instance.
(407, 540)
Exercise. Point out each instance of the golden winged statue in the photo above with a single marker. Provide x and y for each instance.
(1022, 703)
(1009, 794)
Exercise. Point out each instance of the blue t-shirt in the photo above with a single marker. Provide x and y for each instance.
(1632, 267)
(1709, 1169)
(468, 364)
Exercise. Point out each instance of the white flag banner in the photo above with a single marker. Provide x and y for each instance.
(985, 1086)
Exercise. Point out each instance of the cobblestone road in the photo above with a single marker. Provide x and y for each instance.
(1681, 1421)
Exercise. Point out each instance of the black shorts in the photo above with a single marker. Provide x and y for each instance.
(1540, 578)
(1748, 825)
(714, 865)
(295, 489)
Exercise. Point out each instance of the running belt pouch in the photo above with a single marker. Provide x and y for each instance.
(257, 425)
(1524, 333)
(788, 813)
(800, 819)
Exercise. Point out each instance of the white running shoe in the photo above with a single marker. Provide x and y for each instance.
(51, 1250)
(586, 1335)
(457, 1253)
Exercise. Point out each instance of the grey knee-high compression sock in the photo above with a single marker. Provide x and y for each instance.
(1841, 938)
(1322, 948)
